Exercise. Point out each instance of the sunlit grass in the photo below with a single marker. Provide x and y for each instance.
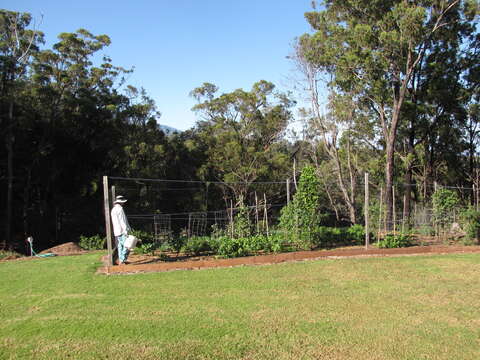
(374, 308)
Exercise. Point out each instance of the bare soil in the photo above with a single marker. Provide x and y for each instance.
(145, 263)
(69, 248)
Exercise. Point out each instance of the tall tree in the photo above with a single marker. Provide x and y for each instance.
(243, 130)
(372, 49)
(17, 43)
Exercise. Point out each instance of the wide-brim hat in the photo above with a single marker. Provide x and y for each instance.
(120, 200)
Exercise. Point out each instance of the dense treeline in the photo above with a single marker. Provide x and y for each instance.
(403, 92)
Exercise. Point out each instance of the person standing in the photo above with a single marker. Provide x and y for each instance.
(120, 227)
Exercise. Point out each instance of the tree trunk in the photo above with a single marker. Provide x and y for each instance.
(389, 183)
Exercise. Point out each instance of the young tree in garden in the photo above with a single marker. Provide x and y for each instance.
(301, 217)
(17, 44)
(242, 131)
(371, 49)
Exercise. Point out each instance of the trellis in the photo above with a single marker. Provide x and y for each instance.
(221, 218)
(162, 224)
(197, 224)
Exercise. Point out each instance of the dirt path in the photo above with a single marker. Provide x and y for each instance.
(139, 265)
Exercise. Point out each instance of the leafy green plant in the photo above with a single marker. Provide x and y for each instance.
(95, 242)
(395, 241)
(233, 247)
(242, 226)
(145, 248)
(197, 245)
(470, 220)
(445, 201)
(176, 243)
(143, 236)
(356, 234)
(301, 216)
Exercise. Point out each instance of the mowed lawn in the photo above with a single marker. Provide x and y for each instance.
(419, 307)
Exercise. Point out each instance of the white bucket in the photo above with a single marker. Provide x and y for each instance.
(130, 242)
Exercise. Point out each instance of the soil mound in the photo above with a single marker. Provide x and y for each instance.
(69, 248)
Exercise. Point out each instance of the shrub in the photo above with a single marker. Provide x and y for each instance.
(277, 242)
(197, 245)
(470, 219)
(444, 203)
(395, 241)
(145, 248)
(329, 236)
(242, 226)
(356, 233)
(95, 242)
(251, 245)
(301, 217)
(233, 247)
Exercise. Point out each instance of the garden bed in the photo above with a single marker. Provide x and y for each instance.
(146, 263)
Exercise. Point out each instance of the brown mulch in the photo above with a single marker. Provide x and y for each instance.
(141, 264)
(69, 248)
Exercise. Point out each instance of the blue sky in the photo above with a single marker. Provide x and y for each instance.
(176, 45)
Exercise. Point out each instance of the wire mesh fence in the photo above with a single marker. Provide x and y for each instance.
(171, 209)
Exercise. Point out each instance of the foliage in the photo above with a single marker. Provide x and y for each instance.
(331, 236)
(255, 244)
(59, 103)
(301, 217)
(470, 220)
(445, 202)
(145, 248)
(197, 245)
(234, 247)
(408, 74)
(395, 241)
(242, 133)
(242, 226)
(95, 242)
(143, 236)
(356, 233)
(176, 243)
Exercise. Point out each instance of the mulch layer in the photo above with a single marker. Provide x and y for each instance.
(69, 248)
(139, 265)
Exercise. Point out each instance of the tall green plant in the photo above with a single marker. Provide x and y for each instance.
(242, 226)
(445, 202)
(301, 218)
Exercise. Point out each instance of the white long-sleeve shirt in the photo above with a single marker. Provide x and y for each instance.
(119, 220)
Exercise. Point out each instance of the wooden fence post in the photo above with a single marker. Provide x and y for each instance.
(231, 218)
(266, 213)
(394, 211)
(295, 173)
(288, 191)
(108, 225)
(367, 232)
(380, 214)
(256, 213)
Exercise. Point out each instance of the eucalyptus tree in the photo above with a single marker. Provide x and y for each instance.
(372, 49)
(242, 131)
(435, 131)
(17, 43)
(80, 123)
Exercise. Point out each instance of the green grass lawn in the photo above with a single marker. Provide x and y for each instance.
(372, 308)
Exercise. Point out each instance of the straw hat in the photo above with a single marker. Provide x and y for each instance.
(120, 200)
